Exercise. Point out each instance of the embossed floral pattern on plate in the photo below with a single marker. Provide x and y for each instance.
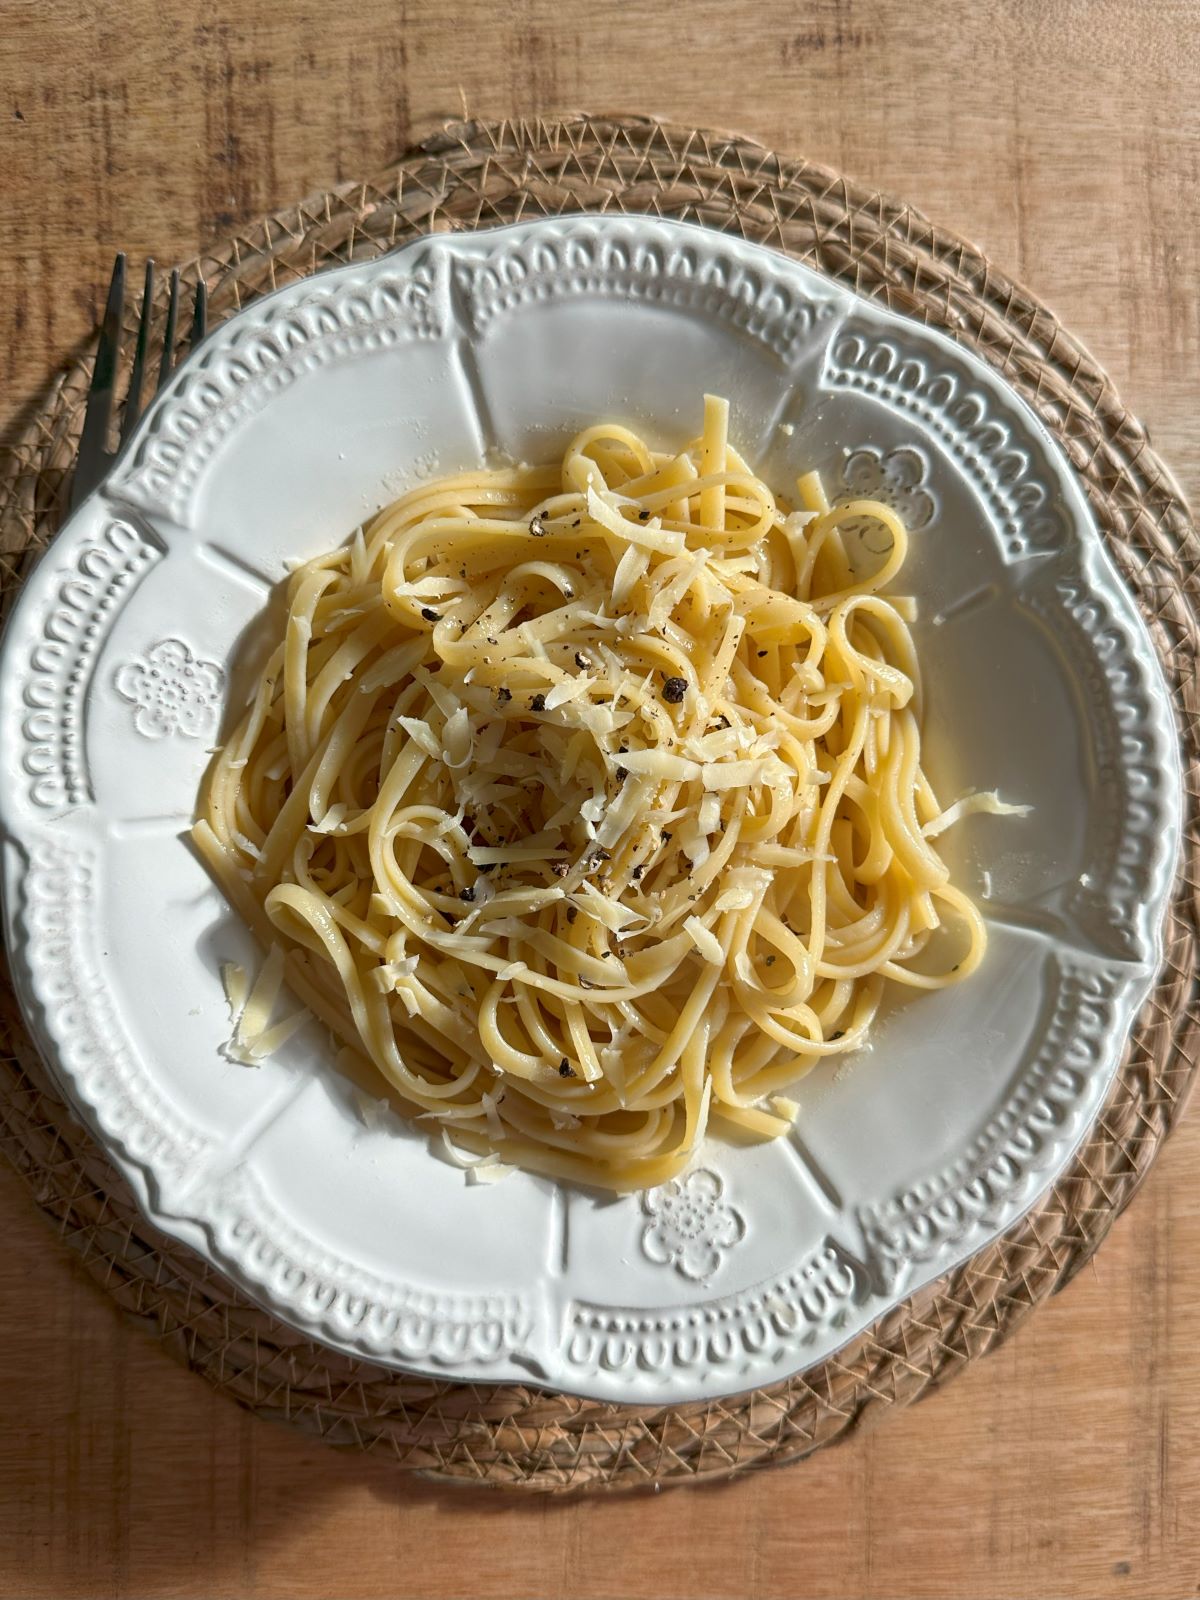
(172, 691)
(691, 1224)
(899, 478)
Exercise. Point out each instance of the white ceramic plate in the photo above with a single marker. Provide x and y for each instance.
(311, 409)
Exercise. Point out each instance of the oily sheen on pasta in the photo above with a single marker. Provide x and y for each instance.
(584, 802)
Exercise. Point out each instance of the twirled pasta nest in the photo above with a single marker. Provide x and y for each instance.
(586, 804)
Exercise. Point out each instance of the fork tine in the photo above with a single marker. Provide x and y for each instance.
(200, 314)
(89, 463)
(133, 401)
(168, 353)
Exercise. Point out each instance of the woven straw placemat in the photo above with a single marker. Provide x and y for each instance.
(478, 175)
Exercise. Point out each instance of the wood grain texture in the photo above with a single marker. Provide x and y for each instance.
(1064, 139)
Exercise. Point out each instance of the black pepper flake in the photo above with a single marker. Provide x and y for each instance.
(538, 703)
(761, 654)
(621, 774)
(580, 662)
(565, 1069)
(643, 516)
(622, 749)
(637, 872)
(572, 913)
(667, 837)
(770, 961)
(503, 695)
(537, 527)
(674, 690)
(836, 1035)
(468, 893)
(430, 614)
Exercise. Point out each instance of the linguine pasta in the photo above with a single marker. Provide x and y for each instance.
(585, 802)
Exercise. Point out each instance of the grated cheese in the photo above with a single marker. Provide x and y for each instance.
(457, 739)
(419, 731)
(568, 689)
(492, 1116)
(738, 774)
(660, 764)
(331, 821)
(988, 803)
(709, 818)
(631, 568)
(651, 535)
(372, 1112)
(610, 913)
(705, 941)
(251, 1007)
(236, 982)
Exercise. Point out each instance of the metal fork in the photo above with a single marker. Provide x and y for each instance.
(95, 458)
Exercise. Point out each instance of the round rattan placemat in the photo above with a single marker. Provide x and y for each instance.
(478, 175)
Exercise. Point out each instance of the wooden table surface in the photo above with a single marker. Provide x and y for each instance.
(1064, 138)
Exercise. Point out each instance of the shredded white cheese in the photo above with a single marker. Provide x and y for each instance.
(492, 1116)
(331, 821)
(608, 912)
(458, 739)
(602, 508)
(419, 731)
(372, 1113)
(705, 941)
(568, 689)
(660, 764)
(737, 774)
(632, 566)
(988, 803)
(236, 982)
(251, 1007)
(386, 977)
(710, 814)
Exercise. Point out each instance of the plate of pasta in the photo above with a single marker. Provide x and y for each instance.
(588, 808)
